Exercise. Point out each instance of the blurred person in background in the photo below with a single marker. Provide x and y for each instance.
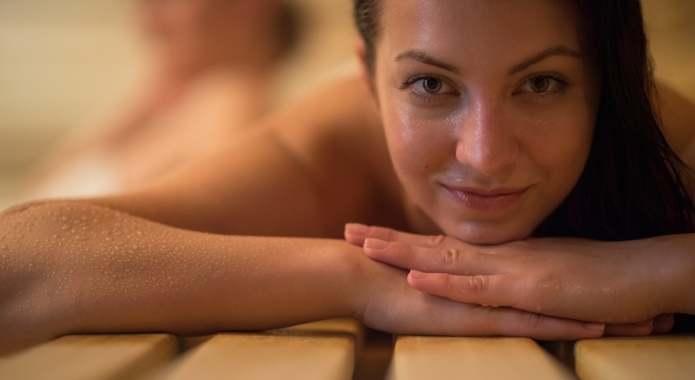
(210, 73)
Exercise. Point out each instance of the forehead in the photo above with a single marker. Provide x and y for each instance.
(479, 28)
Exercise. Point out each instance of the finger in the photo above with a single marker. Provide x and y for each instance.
(355, 234)
(513, 322)
(452, 261)
(632, 329)
(358, 233)
(439, 316)
(485, 290)
(663, 324)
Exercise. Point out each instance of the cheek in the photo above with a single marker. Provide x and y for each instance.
(418, 145)
(562, 150)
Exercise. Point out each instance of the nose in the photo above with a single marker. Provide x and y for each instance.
(486, 141)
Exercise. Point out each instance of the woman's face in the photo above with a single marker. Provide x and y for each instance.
(488, 108)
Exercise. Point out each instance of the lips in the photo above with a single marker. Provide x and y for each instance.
(486, 200)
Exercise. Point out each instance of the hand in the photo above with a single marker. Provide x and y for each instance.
(387, 303)
(616, 283)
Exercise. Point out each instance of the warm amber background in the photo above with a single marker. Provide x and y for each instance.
(62, 62)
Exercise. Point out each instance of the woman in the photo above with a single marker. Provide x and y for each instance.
(490, 122)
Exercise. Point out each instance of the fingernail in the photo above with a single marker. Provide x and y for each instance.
(417, 275)
(375, 244)
(357, 229)
(595, 326)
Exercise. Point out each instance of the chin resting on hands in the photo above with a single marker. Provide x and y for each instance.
(622, 284)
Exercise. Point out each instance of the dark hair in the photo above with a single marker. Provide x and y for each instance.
(633, 183)
(287, 29)
(367, 13)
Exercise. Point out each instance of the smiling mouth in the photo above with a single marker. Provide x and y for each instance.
(486, 200)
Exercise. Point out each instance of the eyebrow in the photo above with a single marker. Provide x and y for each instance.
(421, 56)
(553, 51)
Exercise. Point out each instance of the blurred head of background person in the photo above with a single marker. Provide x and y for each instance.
(239, 43)
(187, 37)
(208, 75)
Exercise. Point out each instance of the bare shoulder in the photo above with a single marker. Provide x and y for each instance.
(337, 134)
(678, 116)
(338, 121)
(304, 171)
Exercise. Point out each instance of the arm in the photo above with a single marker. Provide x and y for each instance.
(100, 270)
(97, 270)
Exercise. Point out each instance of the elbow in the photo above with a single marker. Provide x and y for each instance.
(25, 251)
(30, 259)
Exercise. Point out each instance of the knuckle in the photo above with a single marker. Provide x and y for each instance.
(478, 283)
(451, 257)
(436, 241)
(534, 321)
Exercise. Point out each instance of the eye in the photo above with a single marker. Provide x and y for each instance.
(540, 84)
(544, 84)
(431, 85)
(426, 87)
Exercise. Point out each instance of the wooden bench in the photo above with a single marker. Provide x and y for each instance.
(473, 358)
(664, 357)
(332, 350)
(89, 357)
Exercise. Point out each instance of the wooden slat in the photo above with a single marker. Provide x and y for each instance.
(472, 358)
(90, 357)
(321, 351)
(666, 357)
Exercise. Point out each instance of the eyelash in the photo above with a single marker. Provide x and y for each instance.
(562, 84)
(418, 95)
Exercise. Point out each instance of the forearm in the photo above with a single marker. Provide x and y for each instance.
(81, 268)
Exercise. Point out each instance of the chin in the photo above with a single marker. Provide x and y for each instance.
(480, 233)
